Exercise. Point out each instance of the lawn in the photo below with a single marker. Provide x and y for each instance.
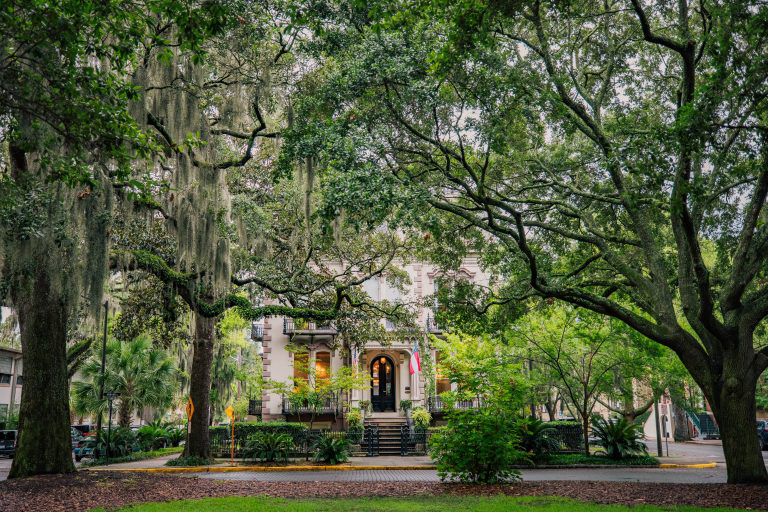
(422, 504)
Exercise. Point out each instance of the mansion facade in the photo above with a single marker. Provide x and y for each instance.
(387, 363)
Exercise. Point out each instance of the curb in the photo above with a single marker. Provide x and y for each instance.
(707, 465)
(262, 469)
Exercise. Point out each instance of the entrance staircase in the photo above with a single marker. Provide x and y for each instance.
(389, 433)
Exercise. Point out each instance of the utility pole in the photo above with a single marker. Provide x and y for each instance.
(658, 428)
(103, 365)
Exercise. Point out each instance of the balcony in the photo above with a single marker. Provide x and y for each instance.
(432, 326)
(254, 407)
(326, 406)
(306, 330)
(436, 405)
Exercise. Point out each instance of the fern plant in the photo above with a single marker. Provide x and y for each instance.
(331, 450)
(269, 447)
(619, 438)
(535, 437)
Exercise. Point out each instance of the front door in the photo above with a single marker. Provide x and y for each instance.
(382, 384)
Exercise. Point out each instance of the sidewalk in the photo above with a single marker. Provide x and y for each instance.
(382, 461)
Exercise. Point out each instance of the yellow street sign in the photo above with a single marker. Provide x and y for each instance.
(190, 409)
(230, 412)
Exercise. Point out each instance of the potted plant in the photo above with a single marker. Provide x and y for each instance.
(365, 407)
(421, 418)
(406, 406)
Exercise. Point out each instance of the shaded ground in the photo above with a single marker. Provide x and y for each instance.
(86, 490)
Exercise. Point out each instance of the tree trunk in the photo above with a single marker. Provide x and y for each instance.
(735, 412)
(550, 406)
(682, 432)
(585, 432)
(44, 444)
(198, 444)
(124, 414)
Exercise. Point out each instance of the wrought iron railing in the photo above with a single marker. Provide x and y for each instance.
(414, 441)
(435, 404)
(432, 326)
(292, 326)
(305, 406)
(254, 407)
(257, 332)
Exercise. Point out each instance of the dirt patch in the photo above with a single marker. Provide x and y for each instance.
(83, 491)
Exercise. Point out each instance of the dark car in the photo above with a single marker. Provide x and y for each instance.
(762, 433)
(86, 448)
(8, 442)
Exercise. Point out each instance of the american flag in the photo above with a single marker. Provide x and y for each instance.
(415, 365)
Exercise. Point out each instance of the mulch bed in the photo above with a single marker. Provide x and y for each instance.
(85, 490)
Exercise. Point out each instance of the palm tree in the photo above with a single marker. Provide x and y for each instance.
(144, 375)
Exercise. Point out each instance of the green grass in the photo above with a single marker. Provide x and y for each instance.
(577, 458)
(136, 456)
(421, 504)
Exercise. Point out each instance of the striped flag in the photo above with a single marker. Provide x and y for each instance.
(415, 365)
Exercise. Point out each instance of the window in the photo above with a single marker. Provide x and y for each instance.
(19, 380)
(322, 367)
(6, 364)
(5, 378)
(442, 382)
(300, 367)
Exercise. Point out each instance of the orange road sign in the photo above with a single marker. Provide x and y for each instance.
(190, 409)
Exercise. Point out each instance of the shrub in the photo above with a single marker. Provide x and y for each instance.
(535, 437)
(152, 437)
(477, 446)
(245, 429)
(189, 461)
(365, 406)
(355, 419)
(619, 438)
(406, 405)
(175, 435)
(331, 450)
(122, 441)
(421, 417)
(269, 446)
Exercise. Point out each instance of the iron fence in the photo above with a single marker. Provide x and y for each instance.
(366, 440)
(569, 438)
(305, 406)
(414, 441)
(435, 404)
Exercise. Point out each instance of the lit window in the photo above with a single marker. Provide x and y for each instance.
(442, 383)
(323, 366)
(300, 367)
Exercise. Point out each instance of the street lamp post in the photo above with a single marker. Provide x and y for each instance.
(110, 398)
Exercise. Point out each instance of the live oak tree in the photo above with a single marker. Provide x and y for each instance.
(597, 153)
(69, 143)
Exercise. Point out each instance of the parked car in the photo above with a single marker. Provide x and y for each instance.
(762, 433)
(8, 442)
(86, 448)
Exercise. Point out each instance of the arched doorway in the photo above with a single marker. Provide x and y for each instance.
(382, 384)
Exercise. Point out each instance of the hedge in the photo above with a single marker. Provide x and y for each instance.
(246, 428)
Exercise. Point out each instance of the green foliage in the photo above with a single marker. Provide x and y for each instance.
(619, 438)
(567, 459)
(535, 437)
(331, 450)
(122, 441)
(269, 446)
(152, 437)
(143, 375)
(189, 461)
(477, 446)
(355, 419)
(247, 429)
(406, 405)
(421, 417)
(132, 457)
